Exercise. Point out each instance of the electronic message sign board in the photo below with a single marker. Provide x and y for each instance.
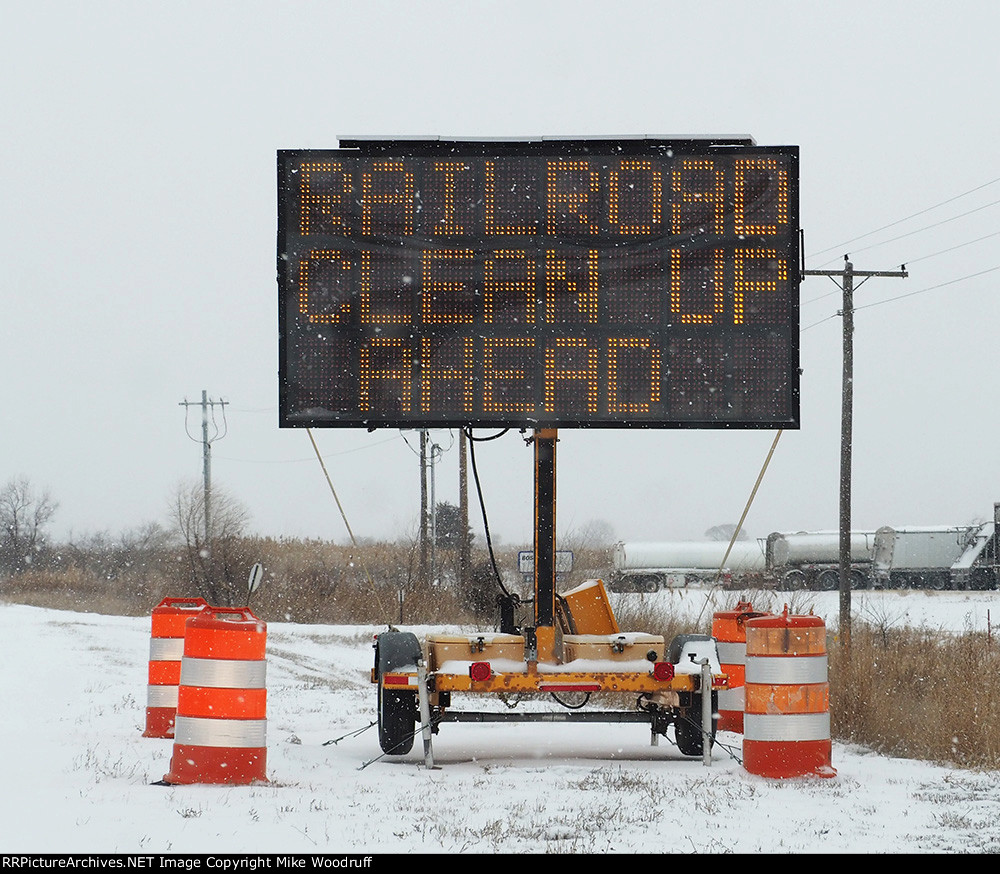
(583, 283)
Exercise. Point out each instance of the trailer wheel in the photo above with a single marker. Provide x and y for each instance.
(687, 727)
(828, 581)
(397, 708)
(647, 585)
(793, 581)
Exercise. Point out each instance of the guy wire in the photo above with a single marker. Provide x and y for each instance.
(739, 526)
(343, 516)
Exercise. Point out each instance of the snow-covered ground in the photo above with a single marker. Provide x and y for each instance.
(78, 776)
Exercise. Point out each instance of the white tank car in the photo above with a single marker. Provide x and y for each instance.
(646, 567)
(811, 559)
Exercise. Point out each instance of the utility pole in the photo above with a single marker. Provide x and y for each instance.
(847, 275)
(435, 454)
(206, 443)
(463, 512)
(423, 506)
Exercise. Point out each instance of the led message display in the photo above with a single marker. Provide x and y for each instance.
(539, 284)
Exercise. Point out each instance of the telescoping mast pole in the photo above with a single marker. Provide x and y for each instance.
(545, 545)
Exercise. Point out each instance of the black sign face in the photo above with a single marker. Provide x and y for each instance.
(539, 284)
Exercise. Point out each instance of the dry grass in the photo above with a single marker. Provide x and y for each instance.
(84, 591)
(641, 614)
(918, 694)
(304, 581)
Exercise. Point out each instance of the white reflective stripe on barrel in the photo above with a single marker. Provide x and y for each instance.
(732, 653)
(786, 726)
(162, 696)
(223, 673)
(166, 649)
(732, 699)
(200, 732)
(786, 670)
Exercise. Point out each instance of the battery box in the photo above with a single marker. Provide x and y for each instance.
(624, 647)
(486, 647)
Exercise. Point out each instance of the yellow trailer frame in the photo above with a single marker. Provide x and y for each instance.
(553, 681)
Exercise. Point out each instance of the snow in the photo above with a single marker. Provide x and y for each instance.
(79, 776)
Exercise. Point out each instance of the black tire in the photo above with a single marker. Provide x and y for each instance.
(687, 727)
(859, 579)
(793, 581)
(397, 709)
(397, 720)
(647, 585)
(828, 581)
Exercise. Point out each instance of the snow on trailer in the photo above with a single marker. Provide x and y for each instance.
(647, 567)
(976, 567)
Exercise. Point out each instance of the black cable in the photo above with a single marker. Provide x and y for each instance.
(925, 290)
(951, 248)
(482, 503)
(571, 706)
(468, 433)
(876, 303)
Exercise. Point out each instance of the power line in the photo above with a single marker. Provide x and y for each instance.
(840, 246)
(820, 322)
(951, 248)
(930, 288)
(302, 460)
(823, 296)
(921, 230)
(903, 296)
(915, 261)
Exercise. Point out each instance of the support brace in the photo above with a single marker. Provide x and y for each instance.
(425, 714)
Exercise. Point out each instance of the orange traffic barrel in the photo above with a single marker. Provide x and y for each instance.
(786, 727)
(221, 700)
(166, 648)
(730, 635)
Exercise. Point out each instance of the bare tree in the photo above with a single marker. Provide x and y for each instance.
(24, 513)
(725, 533)
(132, 553)
(597, 534)
(218, 568)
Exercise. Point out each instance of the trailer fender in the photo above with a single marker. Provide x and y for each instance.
(395, 650)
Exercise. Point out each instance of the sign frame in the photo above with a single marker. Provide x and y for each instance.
(721, 341)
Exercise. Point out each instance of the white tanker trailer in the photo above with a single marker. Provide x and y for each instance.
(811, 559)
(646, 567)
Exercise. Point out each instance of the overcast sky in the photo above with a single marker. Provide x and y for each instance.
(139, 220)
